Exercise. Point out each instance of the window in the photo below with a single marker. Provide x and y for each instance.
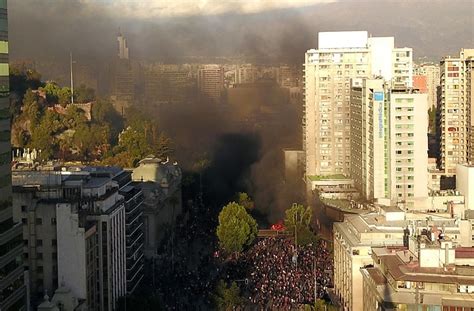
(54, 242)
(23, 208)
(24, 221)
(39, 242)
(39, 221)
(53, 221)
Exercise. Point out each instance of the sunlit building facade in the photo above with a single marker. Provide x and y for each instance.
(340, 57)
(457, 118)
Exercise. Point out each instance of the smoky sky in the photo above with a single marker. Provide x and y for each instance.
(48, 30)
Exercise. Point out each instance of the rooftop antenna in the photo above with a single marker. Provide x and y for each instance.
(72, 79)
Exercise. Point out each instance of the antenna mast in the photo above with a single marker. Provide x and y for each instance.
(72, 80)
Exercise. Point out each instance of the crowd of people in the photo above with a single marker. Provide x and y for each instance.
(283, 277)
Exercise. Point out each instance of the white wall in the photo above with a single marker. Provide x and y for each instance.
(381, 49)
(71, 251)
(465, 183)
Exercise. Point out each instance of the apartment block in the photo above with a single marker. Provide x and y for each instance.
(81, 230)
(456, 110)
(429, 77)
(340, 57)
(389, 144)
(210, 81)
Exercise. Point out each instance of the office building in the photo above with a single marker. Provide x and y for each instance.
(429, 274)
(122, 46)
(12, 284)
(81, 230)
(355, 237)
(456, 111)
(389, 144)
(210, 81)
(342, 56)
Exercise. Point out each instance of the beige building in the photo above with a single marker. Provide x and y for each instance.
(389, 142)
(355, 237)
(457, 117)
(340, 57)
(431, 275)
(432, 74)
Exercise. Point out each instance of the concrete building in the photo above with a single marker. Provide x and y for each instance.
(431, 74)
(389, 144)
(12, 284)
(342, 56)
(386, 227)
(430, 275)
(75, 223)
(210, 81)
(457, 117)
(160, 182)
(465, 183)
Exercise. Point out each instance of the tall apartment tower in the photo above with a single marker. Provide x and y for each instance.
(431, 72)
(211, 81)
(389, 143)
(12, 285)
(457, 118)
(342, 56)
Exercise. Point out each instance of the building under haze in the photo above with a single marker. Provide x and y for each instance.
(340, 57)
(12, 284)
(389, 144)
(210, 81)
(457, 115)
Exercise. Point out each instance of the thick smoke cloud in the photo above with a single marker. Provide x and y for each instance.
(42, 30)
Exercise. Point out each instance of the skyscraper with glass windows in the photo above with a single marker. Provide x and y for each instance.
(12, 285)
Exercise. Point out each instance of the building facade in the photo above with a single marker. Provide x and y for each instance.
(355, 237)
(12, 284)
(430, 74)
(342, 56)
(389, 144)
(456, 111)
(75, 232)
(210, 81)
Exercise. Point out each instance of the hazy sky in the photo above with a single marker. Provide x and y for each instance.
(157, 8)
(273, 30)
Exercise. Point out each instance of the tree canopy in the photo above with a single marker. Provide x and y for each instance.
(236, 228)
(298, 219)
(227, 297)
(245, 200)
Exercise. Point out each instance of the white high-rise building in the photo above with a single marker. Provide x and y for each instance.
(343, 56)
(457, 117)
(389, 142)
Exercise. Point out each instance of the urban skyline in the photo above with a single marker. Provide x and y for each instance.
(210, 155)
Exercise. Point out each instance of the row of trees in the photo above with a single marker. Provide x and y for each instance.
(237, 229)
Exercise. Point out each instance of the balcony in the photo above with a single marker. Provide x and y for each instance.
(16, 230)
(12, 276)
(13, 298)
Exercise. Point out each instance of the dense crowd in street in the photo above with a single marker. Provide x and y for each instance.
(281, 277)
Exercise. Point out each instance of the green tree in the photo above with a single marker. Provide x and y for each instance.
(227, 297)
(51, 89)
(244, 200)
(298, 220)
(236, 228)
(432, 120)
(31, 108)
(42, 139)
(74, 117)
(84, 94)
(64, 96)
